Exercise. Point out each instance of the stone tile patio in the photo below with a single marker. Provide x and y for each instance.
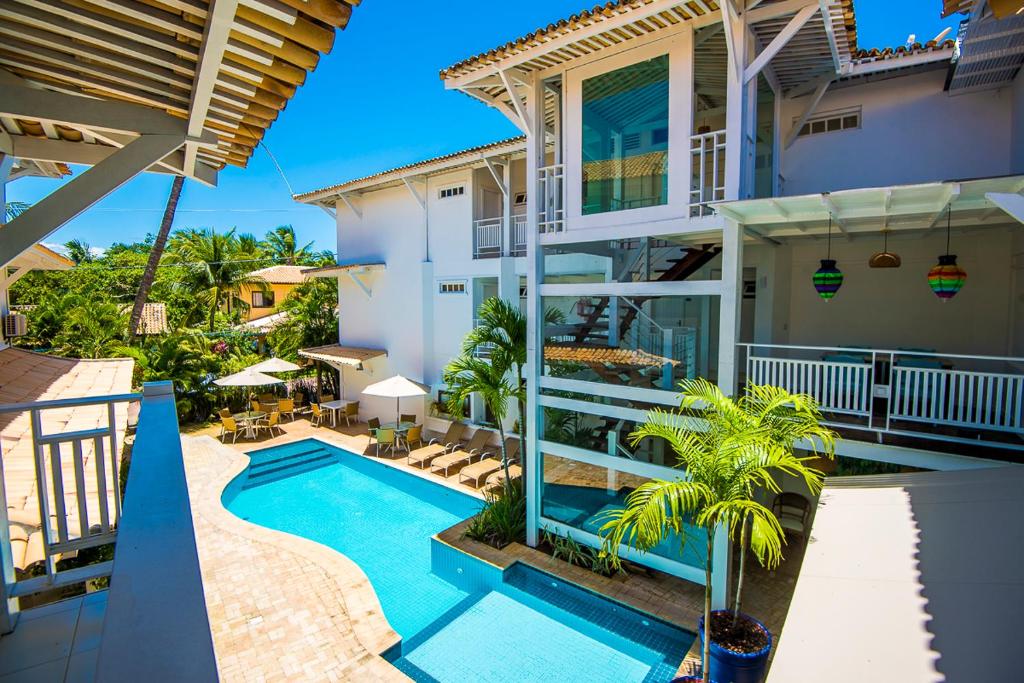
(281, 608)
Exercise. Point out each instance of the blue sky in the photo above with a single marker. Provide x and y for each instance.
(376, 102)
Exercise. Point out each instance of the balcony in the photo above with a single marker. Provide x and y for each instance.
(903, 395)
(707, 154)
(490, 237)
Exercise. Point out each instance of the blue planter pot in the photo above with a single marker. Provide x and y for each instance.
(727, 666)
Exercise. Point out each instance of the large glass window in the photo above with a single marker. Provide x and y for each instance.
(639, 341)
(625, 138)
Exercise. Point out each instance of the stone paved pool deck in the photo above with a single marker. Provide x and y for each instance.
(281, 607)
(674, 600)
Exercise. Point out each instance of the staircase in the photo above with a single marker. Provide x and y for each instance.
(594, 328)
(281, 463)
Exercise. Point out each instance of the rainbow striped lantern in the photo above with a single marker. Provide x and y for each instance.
(828, 279)
(946, 278)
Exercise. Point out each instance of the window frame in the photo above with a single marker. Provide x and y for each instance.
(267, 299)
(458, 287)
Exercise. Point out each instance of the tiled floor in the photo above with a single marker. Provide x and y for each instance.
(58, 642)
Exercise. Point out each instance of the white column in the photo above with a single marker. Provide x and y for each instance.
(534, 328)
(734, 109)
(729, 308)
(508, 229)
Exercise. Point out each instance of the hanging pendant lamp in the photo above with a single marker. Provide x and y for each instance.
(946, 278)
(828, 279)
(885, 258)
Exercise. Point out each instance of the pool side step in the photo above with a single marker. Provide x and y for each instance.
(262, 464)
(280, 468)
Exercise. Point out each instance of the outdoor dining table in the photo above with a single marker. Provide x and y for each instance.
(248, 420)
(399, 427)
(334, 407)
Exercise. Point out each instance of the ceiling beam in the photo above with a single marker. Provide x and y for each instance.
(779, 42)
(83, 191)
(505, 109)
(1013, 204)
(833, 211)
(42, 105)
(809, 108)
(830, 33)
(949, 195)
(517, 101)
(220, 18)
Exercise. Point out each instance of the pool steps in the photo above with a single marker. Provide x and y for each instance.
(289, 464)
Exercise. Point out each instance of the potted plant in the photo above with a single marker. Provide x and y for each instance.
(742, 446)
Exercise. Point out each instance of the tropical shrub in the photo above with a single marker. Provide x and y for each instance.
(502, 520)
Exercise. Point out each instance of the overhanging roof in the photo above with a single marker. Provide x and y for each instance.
(335, 354)
(42, 258)
(911, 577)
(223, 66)
(343, 268)
(866, 210)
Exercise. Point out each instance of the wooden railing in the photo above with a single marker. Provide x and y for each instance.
(954, 397)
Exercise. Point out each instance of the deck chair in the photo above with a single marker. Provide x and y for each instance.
(326, 398)
(407, 418)
(462, 455)
(385, 440)
(351, 413)
(422, 456)
(286, 406)
(256, 406)
(224, 412)
(317, 416)
(271, 423)
(413, 437)
(481, 469)
(228, 426)
(497, 480)
(793, 512)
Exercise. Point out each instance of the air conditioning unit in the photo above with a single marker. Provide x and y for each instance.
(15, 325)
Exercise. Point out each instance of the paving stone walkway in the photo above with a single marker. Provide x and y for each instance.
(281, 608)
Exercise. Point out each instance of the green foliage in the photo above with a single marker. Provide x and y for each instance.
(312, 309)
(502, 520)
(742, 447)
(568, 549)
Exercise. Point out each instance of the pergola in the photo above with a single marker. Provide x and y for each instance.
(184, 87)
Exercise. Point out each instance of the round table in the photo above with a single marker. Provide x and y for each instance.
(248, 420)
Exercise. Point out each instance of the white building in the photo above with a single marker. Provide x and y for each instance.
(685, 172)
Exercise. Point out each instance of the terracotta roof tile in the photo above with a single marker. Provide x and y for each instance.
(281, 274)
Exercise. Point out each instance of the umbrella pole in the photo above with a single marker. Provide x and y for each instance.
(398, 410)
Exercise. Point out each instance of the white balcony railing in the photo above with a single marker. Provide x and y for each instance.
(551, 217)
(519, 235)
(953, 397)
(483, 350)
(489, 237)
(707, 184)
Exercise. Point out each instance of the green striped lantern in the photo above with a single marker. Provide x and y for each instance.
(828, 279)
(946, 278)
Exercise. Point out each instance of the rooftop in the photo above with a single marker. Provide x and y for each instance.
(281, 274)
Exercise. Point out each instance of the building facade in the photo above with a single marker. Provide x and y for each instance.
(690, 186)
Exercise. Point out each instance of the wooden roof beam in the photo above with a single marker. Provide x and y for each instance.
(218, 26)
(779, 42)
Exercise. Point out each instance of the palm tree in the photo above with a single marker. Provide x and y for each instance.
(468, 375)
(79, 251)
(282, 246)
(14, 209)
(92, 329)
(155, 254)
(501, 328)
(746, 442)
(312, 320)
(214, 271)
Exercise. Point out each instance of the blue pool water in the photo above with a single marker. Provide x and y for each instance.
(459, 618)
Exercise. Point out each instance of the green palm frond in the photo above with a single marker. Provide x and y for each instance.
(653, 512)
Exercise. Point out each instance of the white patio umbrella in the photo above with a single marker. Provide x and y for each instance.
(396, 387)
(274, 365)
(247, 378)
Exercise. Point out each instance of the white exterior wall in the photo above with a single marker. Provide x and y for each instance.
(892, 308)
(911, 132)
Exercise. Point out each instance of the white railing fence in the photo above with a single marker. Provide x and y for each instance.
(707, 184)
(488, 237)
(954, 397)
(483, 350)
(551, 217)
(77, 481)
(519, 235)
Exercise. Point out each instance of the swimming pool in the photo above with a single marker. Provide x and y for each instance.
(460, 619)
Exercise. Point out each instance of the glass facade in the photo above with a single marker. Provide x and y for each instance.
(579, 494)
(653, 343)
(625, 138)
(667, 258)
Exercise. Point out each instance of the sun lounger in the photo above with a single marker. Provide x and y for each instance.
(462, 455)
(476, 471)
(421, 457)
(497, 480)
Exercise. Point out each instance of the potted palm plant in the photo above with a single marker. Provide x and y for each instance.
(746, 442)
